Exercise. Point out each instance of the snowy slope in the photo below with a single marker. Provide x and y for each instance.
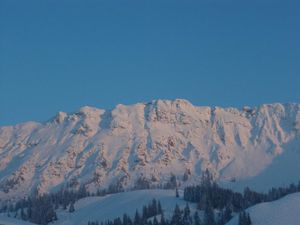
(283, 171)
(112, 206)
(281, 212)
(4, 220)
(146, 143)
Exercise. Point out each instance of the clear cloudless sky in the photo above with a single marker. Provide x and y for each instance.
(59, 55)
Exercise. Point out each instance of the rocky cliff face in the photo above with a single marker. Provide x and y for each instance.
(145, 144)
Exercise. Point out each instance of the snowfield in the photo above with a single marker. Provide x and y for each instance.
(285, 211)
(283, 171)
(11, 221)
(112, 206)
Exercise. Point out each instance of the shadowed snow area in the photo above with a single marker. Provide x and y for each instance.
(4, 220)
(281, 212)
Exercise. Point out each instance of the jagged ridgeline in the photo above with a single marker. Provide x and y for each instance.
(157, 144)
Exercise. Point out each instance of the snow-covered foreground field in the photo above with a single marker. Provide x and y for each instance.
(115, 205)
(11, 221)
(285, 211)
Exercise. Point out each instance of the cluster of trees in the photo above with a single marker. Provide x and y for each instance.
(40, 209)
(244, 218)
(152, 209)
(179, 217)
(219, 198)
(146, 183)
(209, 197)
(217, 203)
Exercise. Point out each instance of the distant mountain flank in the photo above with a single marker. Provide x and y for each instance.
(158, 144)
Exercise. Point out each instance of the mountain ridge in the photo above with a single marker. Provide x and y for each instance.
(145, 144)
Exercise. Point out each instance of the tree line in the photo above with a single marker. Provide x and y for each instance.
(217, 204)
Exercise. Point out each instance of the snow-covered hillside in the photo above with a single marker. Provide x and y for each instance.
(280, 212)
(144, 144)
(112, 206)
(4, 220)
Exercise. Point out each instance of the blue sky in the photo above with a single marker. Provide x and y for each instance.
(59, 55)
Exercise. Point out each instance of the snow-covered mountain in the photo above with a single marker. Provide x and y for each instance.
(147, 144)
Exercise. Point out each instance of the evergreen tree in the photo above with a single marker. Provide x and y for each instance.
(162, 219)
(72, 208)
(125, 219)
(173, 181)
(197, 220)
(23, 215)
(65, 205)
(209, 216)
(206, 179)
(29, 211)
(177, 216)
(241, 218)
(159, 208)
(176, 193)
(137, 218)
(117, 221)
(145, 213)
(248, 219)
(55, 217)
(187, 220)
(227, 214)
(154, 208)
(244, 218)
(155, 222)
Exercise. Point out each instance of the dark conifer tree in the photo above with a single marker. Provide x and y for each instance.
(145, 212)
(244, 218)
(209, 216)
(227, 214)
(248, 219)
(125, 219)
(137, 218)
(72, 208)
(159, 208)
(162, 219)
(23, 215)
(177, 216)
(155, 221)
(154, 210)
(187, 219)
(197, 220)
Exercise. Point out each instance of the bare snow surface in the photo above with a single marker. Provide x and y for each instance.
(4, 220)
(112, 206)
(285, 211)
